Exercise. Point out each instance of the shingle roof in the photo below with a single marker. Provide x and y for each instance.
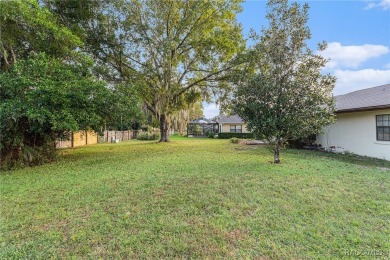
(365, 99)
(233, 119)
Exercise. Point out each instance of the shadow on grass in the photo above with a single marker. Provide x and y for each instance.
(347, 158)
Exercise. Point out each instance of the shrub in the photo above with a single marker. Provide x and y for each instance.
(234, 140)
(154, 136)
(143, 136)
(210, 134)
(42, 99)
(237, 135)
(301, 142)
(148, 136)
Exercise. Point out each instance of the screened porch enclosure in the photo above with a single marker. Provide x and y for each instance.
(201, 127)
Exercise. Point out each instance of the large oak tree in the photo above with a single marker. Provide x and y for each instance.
(175, 52)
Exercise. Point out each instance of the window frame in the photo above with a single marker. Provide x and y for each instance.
(382, 126)
(235, 130)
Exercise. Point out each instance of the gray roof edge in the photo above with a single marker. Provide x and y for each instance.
(364, 99)
(358, 109)
(364, 89)
(232, 119)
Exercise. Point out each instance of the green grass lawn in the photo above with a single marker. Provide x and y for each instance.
(196, 198)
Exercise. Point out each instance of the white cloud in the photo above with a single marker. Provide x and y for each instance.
(210, 110)
(387, 66)
(351, 56)
(349, 80)
(384, 4)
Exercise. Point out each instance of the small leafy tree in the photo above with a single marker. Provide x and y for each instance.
(43, 99)
(288, 97)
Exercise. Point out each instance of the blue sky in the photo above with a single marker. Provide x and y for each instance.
(358, 37)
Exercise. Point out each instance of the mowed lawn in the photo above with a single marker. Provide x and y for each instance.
(196, 198)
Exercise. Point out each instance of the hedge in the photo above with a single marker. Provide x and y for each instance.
(237, 135)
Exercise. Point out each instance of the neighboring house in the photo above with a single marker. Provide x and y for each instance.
(362, 123)
(201, 127)
(231, 124)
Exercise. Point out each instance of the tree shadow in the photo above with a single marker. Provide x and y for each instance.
(353, 159)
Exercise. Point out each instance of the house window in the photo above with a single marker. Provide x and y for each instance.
(383, 128)
(235, 128)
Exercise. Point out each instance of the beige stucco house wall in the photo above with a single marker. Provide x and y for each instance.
(356, 132)
(225, 128)
(226, 123)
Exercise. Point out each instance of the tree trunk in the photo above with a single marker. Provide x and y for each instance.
(164, 128)
(181, 129)
(276, 153)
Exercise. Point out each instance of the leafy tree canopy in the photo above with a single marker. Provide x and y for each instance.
(124, 108)
(42, 99)
(27, 27)
(176, 52)
(47, 84)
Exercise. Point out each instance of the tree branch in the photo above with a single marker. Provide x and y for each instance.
(201, 80)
